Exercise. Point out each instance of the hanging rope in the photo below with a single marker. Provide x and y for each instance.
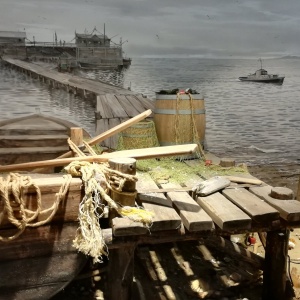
(192, 126)
(13, 192)
(99, 180)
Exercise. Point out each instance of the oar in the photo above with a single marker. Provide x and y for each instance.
(144, 153)
(103, 136)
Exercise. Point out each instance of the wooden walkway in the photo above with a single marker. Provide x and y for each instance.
(114, 105)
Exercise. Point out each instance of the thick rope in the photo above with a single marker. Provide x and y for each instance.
(195, 135)
(16, 185)
(99, 180)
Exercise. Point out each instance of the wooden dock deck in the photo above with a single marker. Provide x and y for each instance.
(75, 84)
(179, 216)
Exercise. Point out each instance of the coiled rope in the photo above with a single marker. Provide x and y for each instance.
(13, 193)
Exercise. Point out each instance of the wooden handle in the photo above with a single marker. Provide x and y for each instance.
(144, 153)
(244, 180)
(103, 136)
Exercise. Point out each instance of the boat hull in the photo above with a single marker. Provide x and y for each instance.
(268, 80)
(39, 263)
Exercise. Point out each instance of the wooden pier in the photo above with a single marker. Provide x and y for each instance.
(87, 88)
(113, 105)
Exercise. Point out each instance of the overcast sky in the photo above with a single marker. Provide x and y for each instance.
(250, 28)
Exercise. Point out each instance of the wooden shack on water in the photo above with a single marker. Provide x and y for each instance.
(12, 43)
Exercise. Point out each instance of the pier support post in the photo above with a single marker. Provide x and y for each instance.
(275, 278)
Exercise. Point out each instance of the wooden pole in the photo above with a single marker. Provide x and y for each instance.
(120, 273)
(275, 268)
(76, 136)
(144, 153)
(105, 135)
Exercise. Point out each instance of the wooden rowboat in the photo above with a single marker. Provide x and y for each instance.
(42, 261)
(34, 137)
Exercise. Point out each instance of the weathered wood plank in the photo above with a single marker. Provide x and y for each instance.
(165, 218)
(33, 150)
(146, 102)
(193, 217)
(104, 108)
(117, 109)
(127, 106)
(125, 227)
(289, 209)
(135, 102)
(257, 209)
(224, 213)
(146, 182)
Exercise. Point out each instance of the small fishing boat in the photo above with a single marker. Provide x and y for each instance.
(37, 260)
(262, 75)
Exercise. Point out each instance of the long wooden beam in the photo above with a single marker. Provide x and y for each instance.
(144, 153)
(105, 135)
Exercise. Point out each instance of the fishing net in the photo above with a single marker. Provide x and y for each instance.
(140, 135)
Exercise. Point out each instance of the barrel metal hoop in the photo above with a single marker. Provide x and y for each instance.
(179, 112)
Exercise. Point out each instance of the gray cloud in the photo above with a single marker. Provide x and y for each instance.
(166, 27)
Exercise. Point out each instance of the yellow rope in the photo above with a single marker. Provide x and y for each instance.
(18, 184)
(99, 180)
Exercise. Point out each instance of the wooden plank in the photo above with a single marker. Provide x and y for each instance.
(289, 209)
(104, 107)
(146, 182)
(117, 109)
(258, 210)
(126, 227)
(148, 104)
(135, 102)
(165, 218)
(224, 213)
(130, 109)
(31, 150)
(144, 153)
(193, 217)
(119, 128)
(113, 140)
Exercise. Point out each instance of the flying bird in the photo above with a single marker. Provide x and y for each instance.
(157, 36)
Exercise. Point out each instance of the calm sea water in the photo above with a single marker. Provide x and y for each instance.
(251, 122)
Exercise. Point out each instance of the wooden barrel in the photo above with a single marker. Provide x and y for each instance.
(139, 135)
(180, 119)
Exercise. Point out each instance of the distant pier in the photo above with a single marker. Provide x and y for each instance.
(87, 88)
(113, 105)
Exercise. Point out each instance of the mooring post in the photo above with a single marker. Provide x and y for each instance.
(76, 136)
